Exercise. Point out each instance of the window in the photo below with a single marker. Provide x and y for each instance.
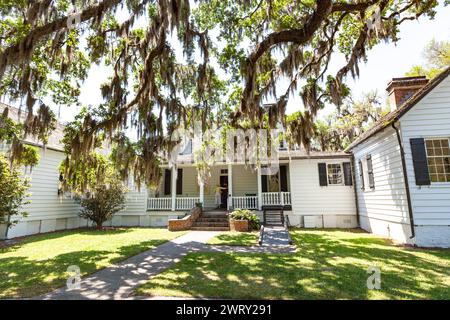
(334, 173)
(438, 158)
(223, 171)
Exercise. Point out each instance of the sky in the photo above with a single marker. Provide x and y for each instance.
(385, 61)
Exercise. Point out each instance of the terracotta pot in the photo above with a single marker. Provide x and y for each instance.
(239, 225)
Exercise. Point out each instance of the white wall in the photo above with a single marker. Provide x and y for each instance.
(383, 210)
(47, 211)
(333, 206)
(429, 118)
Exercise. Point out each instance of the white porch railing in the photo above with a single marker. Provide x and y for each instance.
(159, 204)
(247, 202)
(186, 203)
(276, 198)
(182, 203)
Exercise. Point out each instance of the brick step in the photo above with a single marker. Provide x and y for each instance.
(211, 224)
(212, 220)
(211, 228)
(214, 216)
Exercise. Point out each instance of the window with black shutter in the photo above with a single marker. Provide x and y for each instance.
(348, 181)
(370, 172)
(361, 174)
(322, 174)
(167, 181)
(180, 181)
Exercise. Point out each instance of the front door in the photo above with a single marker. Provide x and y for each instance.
(224, 185)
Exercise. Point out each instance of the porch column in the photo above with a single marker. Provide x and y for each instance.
(202, 192)
(230, 187)
(173, 186)
(258, 171)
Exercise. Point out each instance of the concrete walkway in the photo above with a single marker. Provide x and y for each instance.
(120, 280)
(275, 236)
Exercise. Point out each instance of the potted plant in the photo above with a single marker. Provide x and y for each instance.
(243, 220)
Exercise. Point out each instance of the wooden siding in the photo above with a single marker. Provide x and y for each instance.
(309, 198)
(429, 118)
(384, 209)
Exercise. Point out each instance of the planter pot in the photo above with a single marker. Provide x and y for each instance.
(239, 225)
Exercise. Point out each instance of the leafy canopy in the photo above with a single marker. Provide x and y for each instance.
(235, 55)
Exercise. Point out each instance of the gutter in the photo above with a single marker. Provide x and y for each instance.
(405, 176)
(354, 189)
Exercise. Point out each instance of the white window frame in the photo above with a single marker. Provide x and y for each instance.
(426, 152)
(365, 174)
(342, 174)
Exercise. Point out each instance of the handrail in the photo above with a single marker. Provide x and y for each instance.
(261, 235)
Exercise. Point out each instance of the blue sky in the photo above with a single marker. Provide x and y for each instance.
(385, 61)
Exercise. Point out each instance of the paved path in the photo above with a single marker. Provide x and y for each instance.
(275, 236)
(120, 280)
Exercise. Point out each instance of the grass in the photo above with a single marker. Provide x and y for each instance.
(39, 263)
(329, 264)
(236, 239)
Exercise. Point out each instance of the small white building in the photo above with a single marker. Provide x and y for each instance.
(403, 165)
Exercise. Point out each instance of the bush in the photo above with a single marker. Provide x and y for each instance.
(250, 216)
(101, 204)
(13, 193)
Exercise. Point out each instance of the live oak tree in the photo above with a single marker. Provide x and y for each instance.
(45, 51)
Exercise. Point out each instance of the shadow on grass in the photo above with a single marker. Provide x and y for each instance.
(236, 239)
(22, 276)
(328, 265)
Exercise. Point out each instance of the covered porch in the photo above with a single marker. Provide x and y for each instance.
(242, 187)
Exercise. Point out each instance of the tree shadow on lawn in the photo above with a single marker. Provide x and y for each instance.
(237, 239)
(60, 234)
(325, 267)
(22, 277)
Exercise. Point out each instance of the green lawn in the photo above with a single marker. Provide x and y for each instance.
(236, 239)
(329, 264)
(39, 263)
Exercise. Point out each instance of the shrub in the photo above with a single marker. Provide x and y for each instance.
(13, 193)
(250, 216)
(103, 202)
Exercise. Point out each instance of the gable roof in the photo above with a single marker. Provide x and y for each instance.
(54, 140)
(395, 115)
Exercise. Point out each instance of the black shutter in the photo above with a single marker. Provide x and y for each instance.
(361, 174)
(283, 179)
(167, 181)
(264, 183)
(323, 180)
(370, 172)
(180, 181)
(420, 163)
(348, 174)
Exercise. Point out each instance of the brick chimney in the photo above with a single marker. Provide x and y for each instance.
(401, 89)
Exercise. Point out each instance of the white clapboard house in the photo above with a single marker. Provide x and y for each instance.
(399, 188)
(402, 165)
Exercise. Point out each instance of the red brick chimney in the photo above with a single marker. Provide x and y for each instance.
(401, 89)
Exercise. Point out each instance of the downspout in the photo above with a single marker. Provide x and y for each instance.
(405, 175)
(354, 189)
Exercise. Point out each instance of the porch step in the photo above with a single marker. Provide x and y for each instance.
(211, 224)
(214, 216)
(212, 220)
(211, 228)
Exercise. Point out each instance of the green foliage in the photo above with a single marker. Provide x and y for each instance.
(437, 58)
(13, 193)
(250, 216)
(11, 133)
(102, 202)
